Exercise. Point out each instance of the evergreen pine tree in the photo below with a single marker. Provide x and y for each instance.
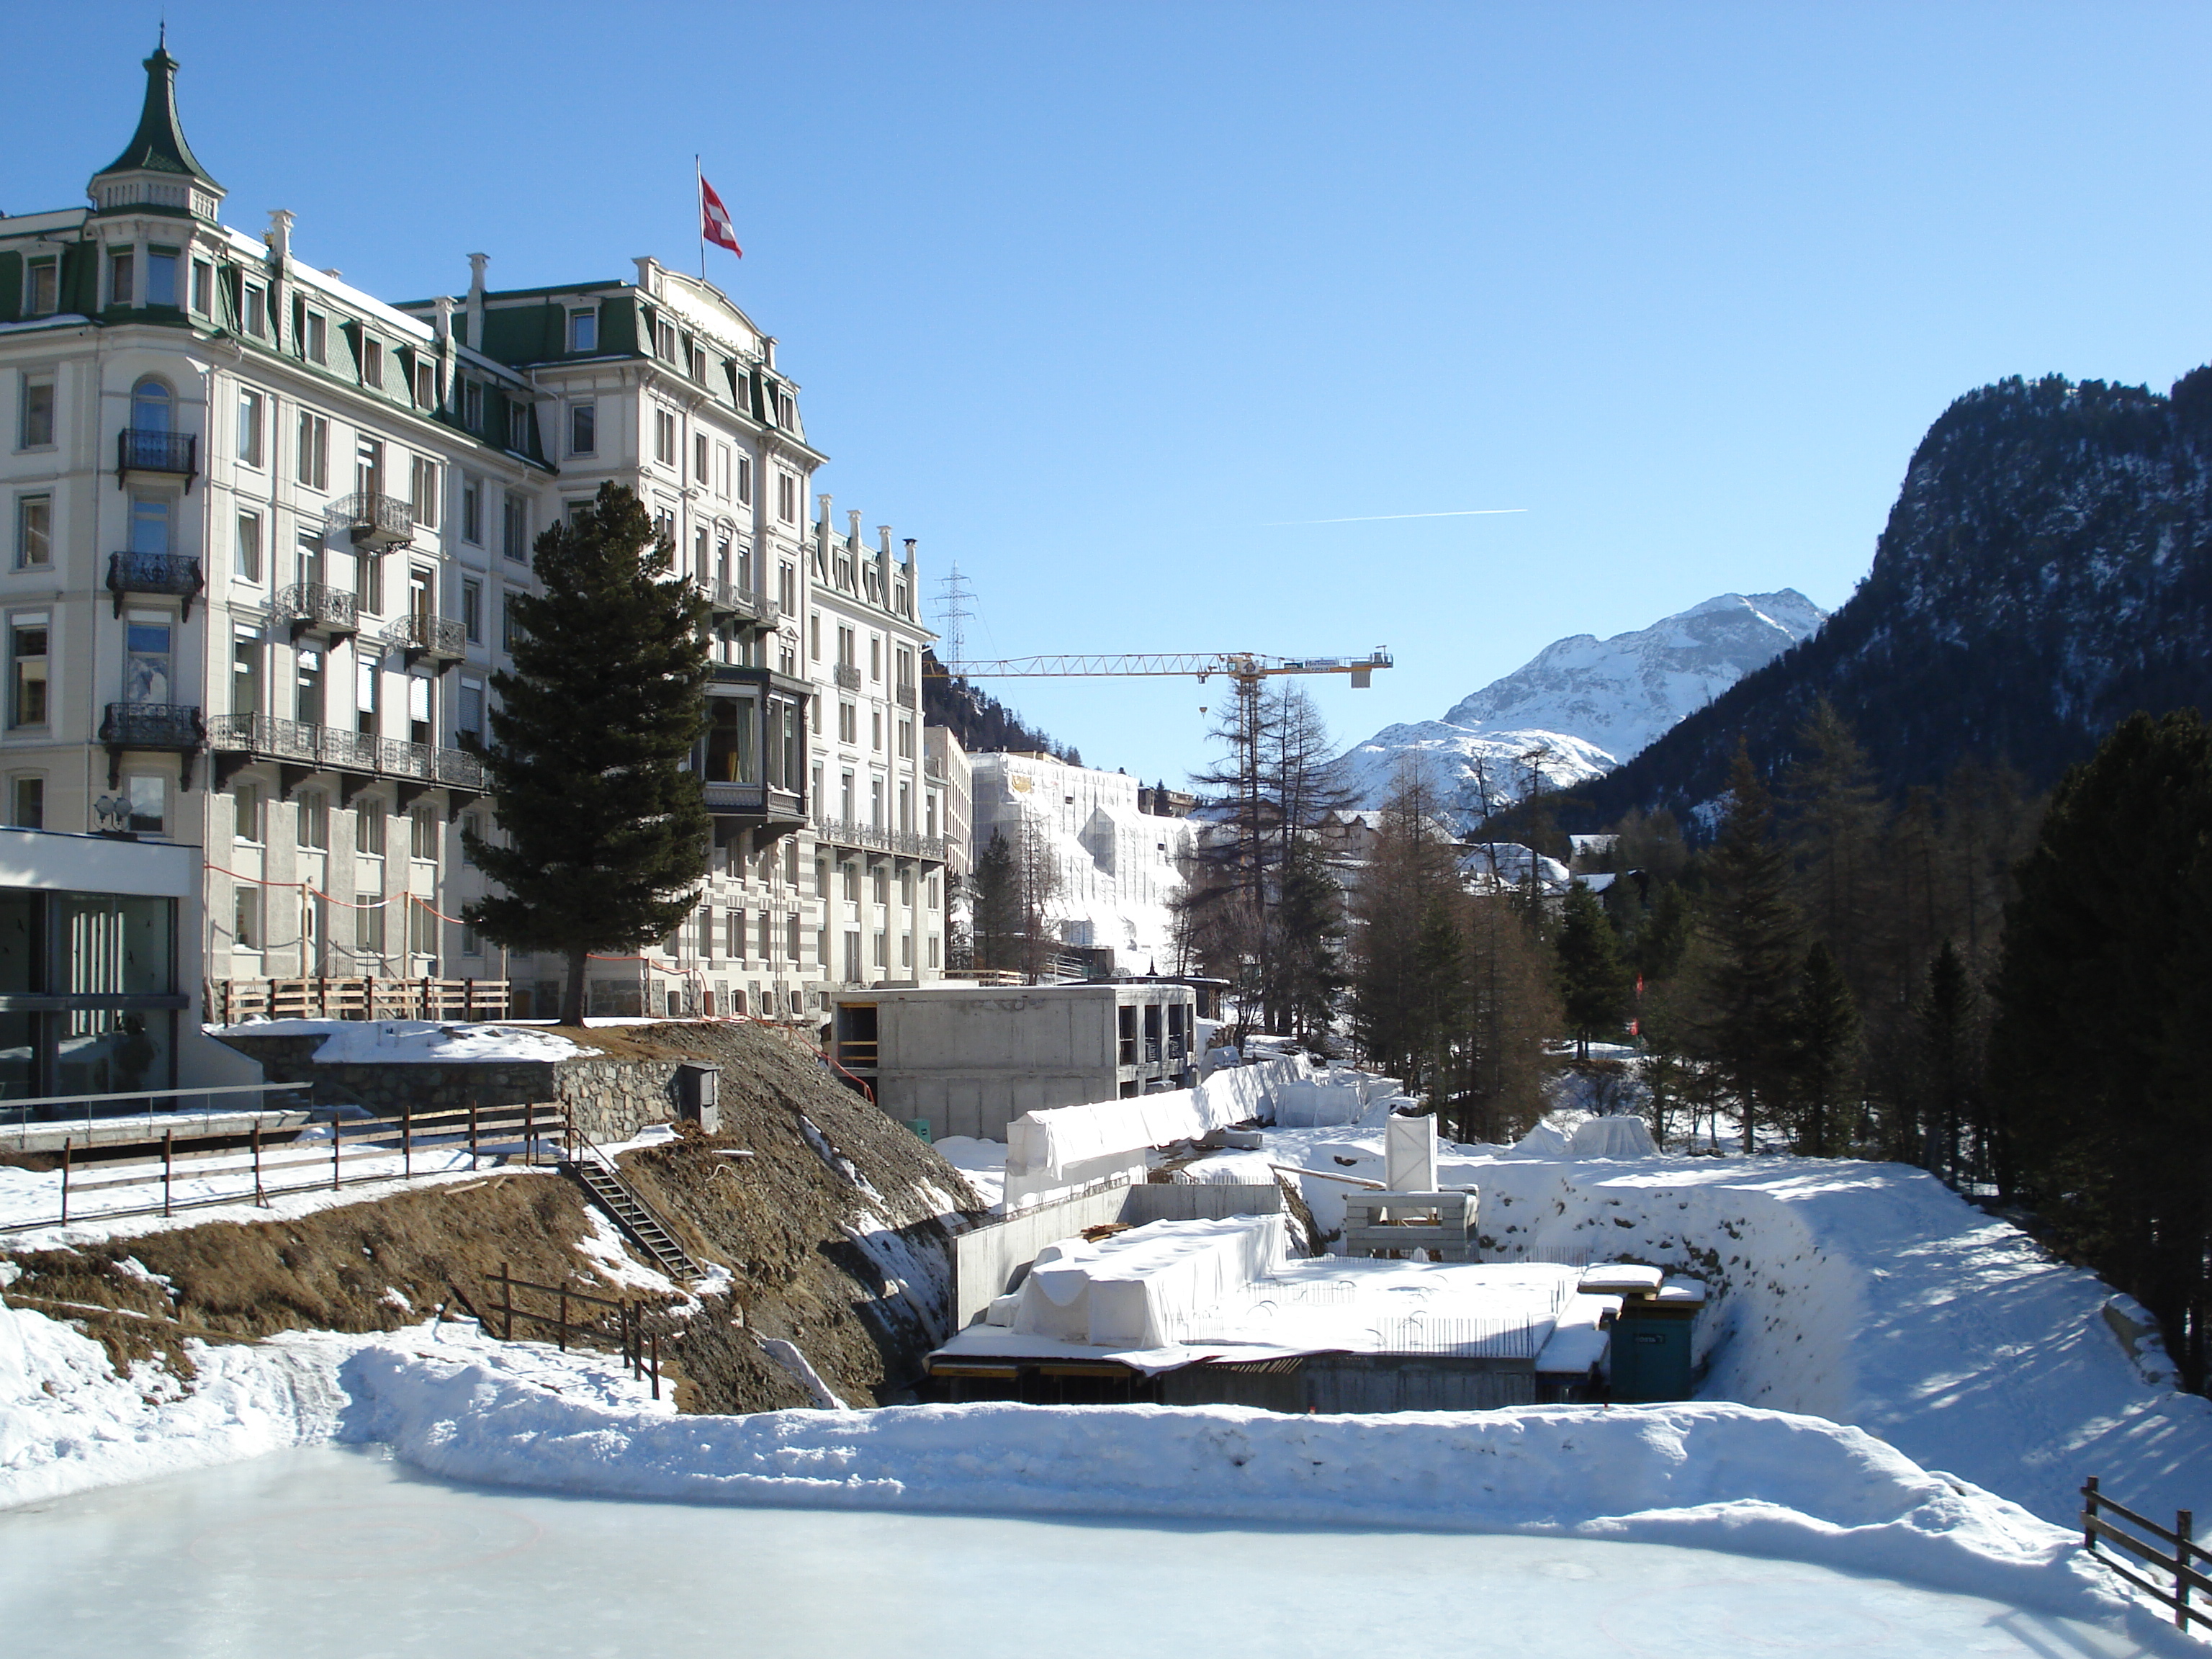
(1823, 1055)
(1949, 1066)
(1593, 983)
(605, 830)
(1754, 958)
(998, 908)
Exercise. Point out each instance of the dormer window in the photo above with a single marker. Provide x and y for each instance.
(203, 288)
(42, 288)
(664, 341)
(698, 364)
(254, 313)
(121, 268)
(787, 412)
(583, 330)
(318, 338)
(472, 406)
(517, 426)
(372, 364)
(426, 385)
(161, 276)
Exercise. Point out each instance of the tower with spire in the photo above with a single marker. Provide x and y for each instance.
(157, 171)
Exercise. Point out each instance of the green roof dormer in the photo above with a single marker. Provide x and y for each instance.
(157, 168)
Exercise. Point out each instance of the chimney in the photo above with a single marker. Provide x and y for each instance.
(884, 540)
(649, 275)
(768, 349)
(853, 528)
(280, 235)
(476, 264)
(444, 325)
(822, 524)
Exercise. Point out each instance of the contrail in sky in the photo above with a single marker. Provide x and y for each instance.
(1378, 518)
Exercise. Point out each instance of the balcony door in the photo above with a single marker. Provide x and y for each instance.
(152, 407)
(419, 583)
(307, 699)
(147, 662)
(150, 524)
(368, 468)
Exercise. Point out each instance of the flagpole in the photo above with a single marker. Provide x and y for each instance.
(699, 209)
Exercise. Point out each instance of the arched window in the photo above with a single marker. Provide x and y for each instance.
(150, 404)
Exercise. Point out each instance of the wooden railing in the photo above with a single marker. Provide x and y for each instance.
(230, 1000)
(2186, 1566)
(641, 1348)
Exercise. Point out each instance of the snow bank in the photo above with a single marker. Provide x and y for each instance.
(415, 1041)
(1715, 1477)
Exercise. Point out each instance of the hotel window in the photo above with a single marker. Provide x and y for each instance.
(120, 269)
(469, 722)
(149, 802)
(42, 288)
(734, 934)
(787, 412)
(883, 949)
(515, 527)
(472, 406)
(583, 330)
(249, 547)
(472, 826)
(253, 311)
(34, 531)
(848, 723)
(472, 611)
(876, 730)
(372, 364)
(314, 820)
(906, 740)
(665, 341)
(369, 583)
(698, 364)
(723, 471)
(517, 426)
(583, 429)
(252, 409)
(426, 386)
(791, 935)
(881, 875)
(787, 498)
(35, 431)
(767, 936)
(510, 629)
(422, 835)
(745, 479)
(162, 277)
(423, 489)
(314, 469)
(707, 930)
(203, 288)
(26, 802)
(27, 670)
(318, 338)
(245, 917)
(699, 459)
(369, 831)
(664, 437)
(369, 936)
(246, 813)
(471, 511)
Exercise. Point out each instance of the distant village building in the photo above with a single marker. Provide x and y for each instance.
(1118, 865)
(264, 535)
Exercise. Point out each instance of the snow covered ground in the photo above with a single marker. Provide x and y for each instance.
(414, 1042)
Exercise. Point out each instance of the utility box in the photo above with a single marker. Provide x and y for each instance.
(1652, 1355)
(698, 1095)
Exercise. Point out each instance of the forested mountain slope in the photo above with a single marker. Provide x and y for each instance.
(2044, 573)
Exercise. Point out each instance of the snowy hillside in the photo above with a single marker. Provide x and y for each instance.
(1583, 705)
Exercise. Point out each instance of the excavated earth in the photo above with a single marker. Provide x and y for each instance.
(833, 1221)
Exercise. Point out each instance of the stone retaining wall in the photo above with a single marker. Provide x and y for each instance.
(610, 1100)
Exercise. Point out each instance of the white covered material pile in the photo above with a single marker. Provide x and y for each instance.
(1141, 1289)
(1067, 1146)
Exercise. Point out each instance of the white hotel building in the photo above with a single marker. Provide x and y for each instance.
(261, 534)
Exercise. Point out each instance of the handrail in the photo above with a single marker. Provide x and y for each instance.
(154, 1094)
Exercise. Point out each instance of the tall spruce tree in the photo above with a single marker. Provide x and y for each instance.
(1752, 967)
(1594, 981)
(1824, 1039)
(604, 832)
(2104, 997)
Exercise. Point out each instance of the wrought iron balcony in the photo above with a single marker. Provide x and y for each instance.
(173, 574)
(175, 726)
(312, 608)
(374, 522)
(849, 675)
(440, 639)
(908, 697)
(140, 450)
(899, 842)
(333, 748)
(731, 603)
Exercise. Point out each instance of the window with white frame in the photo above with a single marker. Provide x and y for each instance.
(423, 488)
(517, 426)
(422, 834)
(372, 364)
(246, 813)
(314, 451)
(28, 668)
(42, 288)
(252, 419)
(584, 331)
(664, 340)
(472, 407)
(426, 385)
(515, 527)
(121, 269)
(247, 547)
(314, 820)
(583, 428)
(315, 339)
(369, 831)
(203, 288)
(787, 498)
(745, 480)
(27, 800)
(245, 917)
(472, 529)
(34, 531)
(699, 442)
(664, 437)
(34, 424)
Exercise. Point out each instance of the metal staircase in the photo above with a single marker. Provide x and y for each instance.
(596, 1171)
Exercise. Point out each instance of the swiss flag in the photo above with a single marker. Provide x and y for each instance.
(714, 220)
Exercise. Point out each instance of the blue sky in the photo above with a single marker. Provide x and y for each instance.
(1096, 300)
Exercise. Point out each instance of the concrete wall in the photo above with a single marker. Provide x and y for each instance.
(989, 1261)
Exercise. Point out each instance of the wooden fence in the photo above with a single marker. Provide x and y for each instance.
(360, 1150)
(2186, 1565)
(230, 1000)
(641, 1348)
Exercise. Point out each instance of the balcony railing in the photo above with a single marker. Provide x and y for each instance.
(729, 601)
(139, 451)
(154, 726)
(173, 574)
(439, 638)
(373, 521)
(333, 749)
(901, 843)
(759, 800)
(908, 697)
(849, 675)
(312, 608)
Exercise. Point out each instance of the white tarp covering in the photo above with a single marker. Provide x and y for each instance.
(1613, 1137)
(1315, 1105)
(1048, 1148)
(1142, 1288)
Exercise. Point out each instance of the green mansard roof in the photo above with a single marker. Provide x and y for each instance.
(159, 145)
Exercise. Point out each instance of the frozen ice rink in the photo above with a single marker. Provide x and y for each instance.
(346, 1552)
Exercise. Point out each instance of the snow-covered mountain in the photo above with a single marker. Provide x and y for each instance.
(1582, 705)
